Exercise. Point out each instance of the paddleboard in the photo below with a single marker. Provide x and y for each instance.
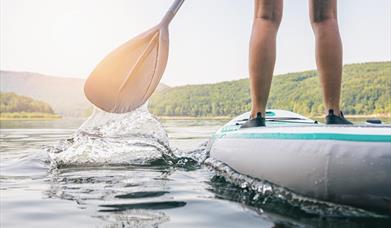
(346, 164)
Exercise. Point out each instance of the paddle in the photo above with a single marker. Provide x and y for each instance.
(127, 77)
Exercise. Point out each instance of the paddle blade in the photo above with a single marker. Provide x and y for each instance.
(127, 77)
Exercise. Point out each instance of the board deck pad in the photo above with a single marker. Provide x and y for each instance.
(281, 124)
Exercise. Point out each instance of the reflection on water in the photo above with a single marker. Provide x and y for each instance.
(114, 194)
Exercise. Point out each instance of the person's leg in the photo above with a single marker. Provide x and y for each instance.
(262, 55)
(323, 15)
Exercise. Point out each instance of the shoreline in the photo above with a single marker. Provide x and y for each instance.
(56, 117)
(14, 116)
(28, 118)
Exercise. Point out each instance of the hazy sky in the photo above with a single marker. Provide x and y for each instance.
(208, 38)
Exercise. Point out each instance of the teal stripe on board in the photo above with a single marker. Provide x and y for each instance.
(310, 136)
(269, 124)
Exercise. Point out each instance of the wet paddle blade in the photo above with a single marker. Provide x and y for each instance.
(126, 78)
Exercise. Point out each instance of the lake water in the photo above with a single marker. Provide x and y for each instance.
(41, 190)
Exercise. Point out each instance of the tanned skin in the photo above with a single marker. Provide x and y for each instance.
(262, 55)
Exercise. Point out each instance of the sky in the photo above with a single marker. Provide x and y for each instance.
(208, 38)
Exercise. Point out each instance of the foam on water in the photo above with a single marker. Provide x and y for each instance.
(135, 138)
(263, 194)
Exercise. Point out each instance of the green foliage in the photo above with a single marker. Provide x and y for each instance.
(13, 103)
(221, 99)
(27, 115)
(366, 89)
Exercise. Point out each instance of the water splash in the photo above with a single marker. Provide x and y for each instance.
(191, 159)
(134, 138)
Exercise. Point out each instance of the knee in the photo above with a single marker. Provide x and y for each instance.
(324, 24)
(321, 19)
(268, 12)
(270, 18)
(323, 12)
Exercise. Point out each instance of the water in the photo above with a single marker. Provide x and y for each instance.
(152, 174)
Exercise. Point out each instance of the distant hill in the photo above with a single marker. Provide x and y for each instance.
(11, 103)
(366, 90)
(65, 95)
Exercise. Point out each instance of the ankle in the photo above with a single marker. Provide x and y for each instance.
(333, 111)
(336, 118)
(255, 112)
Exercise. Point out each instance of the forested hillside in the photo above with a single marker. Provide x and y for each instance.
(65, 95)
(366, 89)
(11, 103)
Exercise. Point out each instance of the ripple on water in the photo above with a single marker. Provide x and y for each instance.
(136, 195)
(146, 205)
(135, 218)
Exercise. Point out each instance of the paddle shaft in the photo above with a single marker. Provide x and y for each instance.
(172, 11)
